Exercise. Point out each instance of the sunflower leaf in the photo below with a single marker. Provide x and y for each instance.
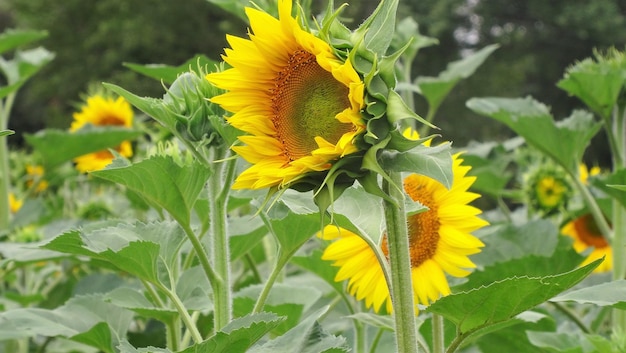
(597, 83)
(433, 162)
(102, 328)
(610, 184)
(6, 132)
(307, 337)
(57, 146)
(378, 29)
(167, 73)
(501, 300)
(163, 183)
(564, 141)
(606, 294)
(13, 38)
(435, 89)
(139, 249)
(294, 230)
(152, 106)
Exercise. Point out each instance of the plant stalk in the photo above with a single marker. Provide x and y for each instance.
(401, 287)
(218, 190)
(5, 212)
(438, 334)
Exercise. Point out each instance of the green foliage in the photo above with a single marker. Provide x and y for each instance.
(146, 178)
(58, 146)
(564, 141)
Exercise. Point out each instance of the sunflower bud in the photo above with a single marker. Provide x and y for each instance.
(548, 189)
(186, 99)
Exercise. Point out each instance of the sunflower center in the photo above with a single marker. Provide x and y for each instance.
(423, 228)
(589, 233)
(110, 120)
(550, 191)
(305, 100)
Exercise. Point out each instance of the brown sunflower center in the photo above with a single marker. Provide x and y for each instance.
(110, 120)
(423, 228)
(305, 100)
(588, 232)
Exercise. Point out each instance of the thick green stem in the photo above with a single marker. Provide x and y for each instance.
(5, 212)
(438, 331)
(401, 287)
(218, 191)
(4, 185)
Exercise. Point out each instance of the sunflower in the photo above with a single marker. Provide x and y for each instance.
(34, 173)
(14, 203)
(103, 111)
(550, 192)
(440, 242)
(584, 173)
(299, 103)
(586, 234)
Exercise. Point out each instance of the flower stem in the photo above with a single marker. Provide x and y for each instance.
(401, 287)
(260, 303)
(618, 243)
(5, 212)
(438, 331)
(180, 307)
(218, 189)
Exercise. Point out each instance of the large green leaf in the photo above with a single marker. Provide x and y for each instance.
(284, 300)
(58, 146)
(597, 83)
(245, 234)
(294, 230)
(153, 107)
(512, 333)
(21, 67)
(313, 262)
(530, 265)
(143, 250)
(435, 89)
(168, 73)
(606, 294)
(379, 27)
(501, 300)
(307, 337)
(136, 301)
(239, 335)
(504, 242)
(433, 162)
(13, 38)
(86, 319)
(564, 141)
(162, 182)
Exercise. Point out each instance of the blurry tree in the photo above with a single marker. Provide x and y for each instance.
(538, 39)
(92, 39)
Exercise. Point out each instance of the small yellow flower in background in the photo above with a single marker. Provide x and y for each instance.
(584, 173)
(298, 103)
(548, 189)
(586, 235)
(103, 111)
(35, 173)
(14, 203)
(440, 242)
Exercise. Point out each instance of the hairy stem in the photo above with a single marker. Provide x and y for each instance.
(401, 288)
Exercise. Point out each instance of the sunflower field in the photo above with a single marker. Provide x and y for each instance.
(288, 198)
